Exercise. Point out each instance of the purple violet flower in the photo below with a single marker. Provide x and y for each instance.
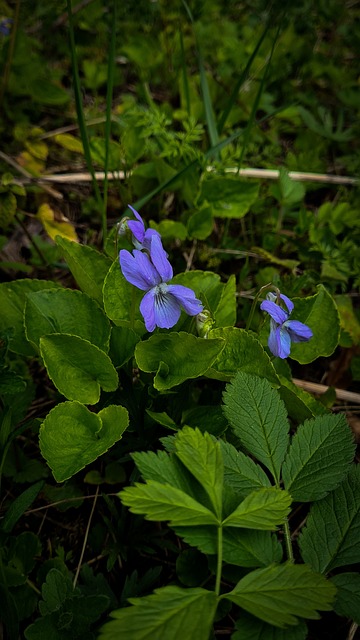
(282, 330)
(162, 302)
(141, 238)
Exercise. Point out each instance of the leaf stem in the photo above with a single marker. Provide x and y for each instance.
(287, 534)
(219, 560)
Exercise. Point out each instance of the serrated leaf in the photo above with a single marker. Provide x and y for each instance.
(158, 501)
(162, 467)
(318, 458)
(176, 357)
(65, 311)
(56, 588)
(88, 266)
(242, 352)
(241, 472)
(319, 312)
(331, 537)
(261, 509)
(258, 418)
(72, 437)
(347, 602)
(250, 628)
(77, 368)
(170, 613)
(13, 296)
(280, 594)
(241, 547)
(202, 456)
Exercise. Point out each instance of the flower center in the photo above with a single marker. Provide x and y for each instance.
(161, 292)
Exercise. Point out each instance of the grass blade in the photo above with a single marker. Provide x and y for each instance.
(109, 96)
(243, 77)
(79, 108)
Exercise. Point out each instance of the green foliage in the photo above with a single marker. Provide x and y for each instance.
(318, 458)
(71, 436)
(77, 368)
(330, 538)
(163, 613)
(250, 490)
(258, 418)
(278, 595)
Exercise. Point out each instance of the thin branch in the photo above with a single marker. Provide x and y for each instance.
(314, 387)
(265, 174)
(85, 538)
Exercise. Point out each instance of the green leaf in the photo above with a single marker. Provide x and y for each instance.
(55, 590)
(123, 341)
(66, 311)
(170, 229)
(229, 197)
(8, 206)
(163, 468)
(121, 299)
(348, 320)
(225, 312)
(207, 286)
(250, 628)
(72, 437)
(280, 594)
(318, 458)
(13, 296)
(242, 352)
(261, 509)
(258, 418)
(201, 455)
(170, 613)
(347, 601)
(19, 506)
(291, 191)
(88, 266)
(208, 418)
(241, 473)
(299, 404)
(158, 501)
(200, 224)
(331, 537)
(77, 368)
(319, 312)
(241, 547)
(176, 357)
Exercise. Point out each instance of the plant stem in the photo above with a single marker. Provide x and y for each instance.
(287, 534)
(219, 560)
(255, 301)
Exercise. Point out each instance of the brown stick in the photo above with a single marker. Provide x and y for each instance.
(314, 387)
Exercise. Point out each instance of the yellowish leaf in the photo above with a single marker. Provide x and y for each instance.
(37, 148)
(30, 163)
(69, 142)
(55, 223)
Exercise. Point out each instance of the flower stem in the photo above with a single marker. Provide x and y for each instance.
(219, 560)
(255, 301)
